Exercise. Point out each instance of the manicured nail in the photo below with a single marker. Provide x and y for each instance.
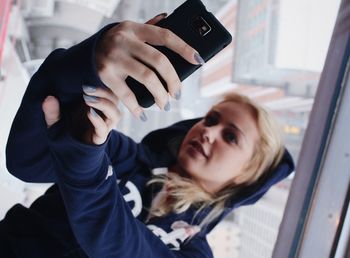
(48, 98)
(88, 89)
(161, 15)
(167, 106)
(198, 58)
(178, 95)
(143, 117)
(93, 112)
(91, 99)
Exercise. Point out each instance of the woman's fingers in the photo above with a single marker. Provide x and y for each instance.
(157, 60)
(51, 109)
(101, 129)
(109, 101)
(124, 62)
(101, 92)
(102, 126)
(110, 111)
(123, 92)
(125, 51)
(158, 36)
(146, 76)
(157, 18)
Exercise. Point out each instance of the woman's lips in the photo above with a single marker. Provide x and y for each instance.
(198, 147)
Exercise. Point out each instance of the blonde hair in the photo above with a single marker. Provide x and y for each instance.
(182, 193)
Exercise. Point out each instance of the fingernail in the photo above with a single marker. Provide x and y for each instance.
(88, 88)
(143, 117)
(198, 58)
(178, 95)
(161, 15)
(47, 98)
(93, 112)
(167, 106)
(91, 99)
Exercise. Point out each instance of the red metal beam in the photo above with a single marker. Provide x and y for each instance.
(5, 8)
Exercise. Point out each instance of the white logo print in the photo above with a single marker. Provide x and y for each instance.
(181, 231)
(109, 172)
(133, 195)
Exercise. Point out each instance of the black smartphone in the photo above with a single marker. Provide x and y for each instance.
(198, 28)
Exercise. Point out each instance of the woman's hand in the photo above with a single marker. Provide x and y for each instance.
(97, 99)
(106, 102)
(123, 51)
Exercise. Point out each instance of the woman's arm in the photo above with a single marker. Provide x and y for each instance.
(62, 74)
(102, 221)
(103, 60)
(95, 207)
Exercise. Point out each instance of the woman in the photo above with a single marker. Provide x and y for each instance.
(178, 183)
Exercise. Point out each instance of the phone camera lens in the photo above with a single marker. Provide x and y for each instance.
(201, 26)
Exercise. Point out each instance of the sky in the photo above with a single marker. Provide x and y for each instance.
(305, 29)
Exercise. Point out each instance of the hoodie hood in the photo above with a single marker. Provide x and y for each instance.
(165, 143)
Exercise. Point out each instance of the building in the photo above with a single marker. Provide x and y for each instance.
(225, 240)
(259, 224)
(251, 231)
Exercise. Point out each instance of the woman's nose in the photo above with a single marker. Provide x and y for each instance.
(210, 133)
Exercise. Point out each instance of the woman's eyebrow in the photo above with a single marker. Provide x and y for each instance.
(237, 129)
(231, 124)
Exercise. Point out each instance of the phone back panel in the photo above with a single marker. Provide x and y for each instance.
(184, 22)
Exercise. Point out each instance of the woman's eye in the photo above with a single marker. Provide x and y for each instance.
(210, 120)
(230, 137)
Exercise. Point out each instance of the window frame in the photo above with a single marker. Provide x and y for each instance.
(313, 220)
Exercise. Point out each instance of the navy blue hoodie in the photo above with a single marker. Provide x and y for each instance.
(98, 206)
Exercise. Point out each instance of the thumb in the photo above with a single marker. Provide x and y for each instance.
(157, 18)
(51, 109)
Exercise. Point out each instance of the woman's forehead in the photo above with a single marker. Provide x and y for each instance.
(231, 109)
(239, 114)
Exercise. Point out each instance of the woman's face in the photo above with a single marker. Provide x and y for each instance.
(216, 149)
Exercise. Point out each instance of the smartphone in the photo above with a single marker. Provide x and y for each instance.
(198, 28)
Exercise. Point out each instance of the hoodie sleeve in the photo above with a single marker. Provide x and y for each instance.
(101, 220)
(62, 74)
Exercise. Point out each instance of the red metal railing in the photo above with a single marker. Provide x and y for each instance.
(5, 6)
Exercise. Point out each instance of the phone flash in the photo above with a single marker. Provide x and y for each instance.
(201, 26)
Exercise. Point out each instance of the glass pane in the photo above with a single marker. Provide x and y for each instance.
(276, 57)
(277, 60)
